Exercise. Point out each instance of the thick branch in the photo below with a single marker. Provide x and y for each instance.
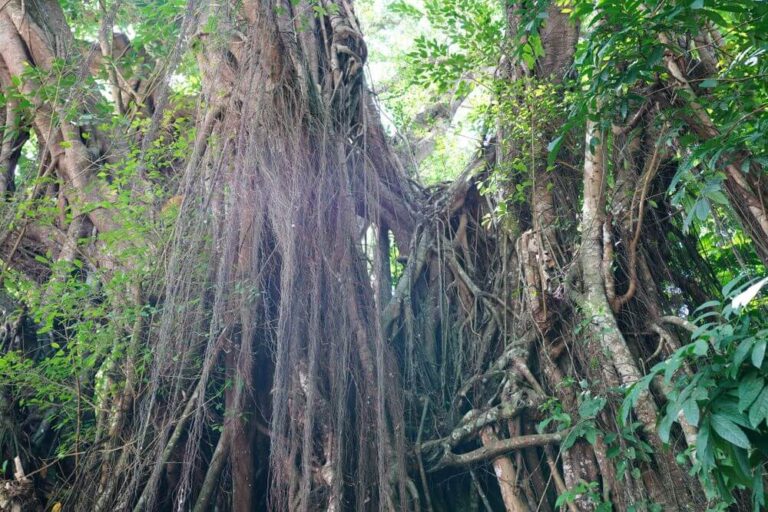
(494, 449)
(680, 322)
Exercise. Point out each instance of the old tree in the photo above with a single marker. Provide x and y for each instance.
(225, 286)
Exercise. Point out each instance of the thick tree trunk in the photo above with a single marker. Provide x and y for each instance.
(378, 395)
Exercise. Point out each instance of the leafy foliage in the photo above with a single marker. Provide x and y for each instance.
(720, 385)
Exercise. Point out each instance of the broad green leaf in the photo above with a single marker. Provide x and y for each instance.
(759, 410)
(704, 451)
(591, 436)
(666, 424)
(729, 431)
(691, 412)
(742, 351)
(553, 148)
(758, 494)
(729, 409)
(591, 406)
(758, 353)
(749, 388)
(702, 209)
(715, 17)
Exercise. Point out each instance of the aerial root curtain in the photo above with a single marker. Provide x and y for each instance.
(290, 369)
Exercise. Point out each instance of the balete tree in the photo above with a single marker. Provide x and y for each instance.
(232, 281)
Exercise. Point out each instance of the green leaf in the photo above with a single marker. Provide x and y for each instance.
(405, 8)
(591, 436)
(704, 451)
(708, 83)
(729, 410)
(633, 393)
(691, 412)
(571, 439)
(701, 347)
(758, 495)
(665, 425)
(742, 351)
(591, 406)
(553, 148)
(718, 197)
(702, 209)
(759, 410)
(758, 353)
(732, 284)
(729, 431)
(749, 388)
(715, 17)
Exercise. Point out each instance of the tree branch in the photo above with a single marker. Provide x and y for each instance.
(497, 448)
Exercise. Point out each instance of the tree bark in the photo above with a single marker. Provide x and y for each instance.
(505, 475)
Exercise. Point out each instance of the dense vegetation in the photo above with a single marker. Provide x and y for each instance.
(437, 255)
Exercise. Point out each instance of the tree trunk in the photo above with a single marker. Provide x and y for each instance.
(278, 302)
